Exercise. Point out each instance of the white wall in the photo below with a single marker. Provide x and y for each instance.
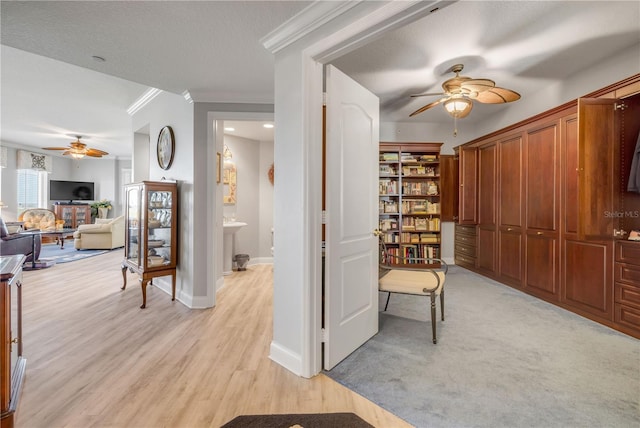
(265, 202)
(173, 110)
(141, 147)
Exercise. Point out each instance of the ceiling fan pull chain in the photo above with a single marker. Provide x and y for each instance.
(455, 126)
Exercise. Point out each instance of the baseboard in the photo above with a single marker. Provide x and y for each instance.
(286, 358)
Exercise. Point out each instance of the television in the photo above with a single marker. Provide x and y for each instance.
(70, 190)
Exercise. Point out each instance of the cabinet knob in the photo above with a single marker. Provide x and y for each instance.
(539, 233)
(509, 229)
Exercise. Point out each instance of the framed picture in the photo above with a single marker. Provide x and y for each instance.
(165, 147)
(218, 166)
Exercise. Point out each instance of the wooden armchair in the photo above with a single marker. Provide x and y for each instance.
(396, 276)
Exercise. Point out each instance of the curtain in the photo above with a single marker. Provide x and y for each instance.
(35, 161)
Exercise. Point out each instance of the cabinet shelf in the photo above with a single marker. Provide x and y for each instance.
(417, 184)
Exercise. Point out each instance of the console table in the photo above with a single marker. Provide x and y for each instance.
(12, 363)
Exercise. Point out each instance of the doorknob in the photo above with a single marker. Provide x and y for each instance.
(376, 232)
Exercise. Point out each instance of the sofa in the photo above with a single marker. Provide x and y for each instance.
(16, 243)
(104, 234)
(38, 218)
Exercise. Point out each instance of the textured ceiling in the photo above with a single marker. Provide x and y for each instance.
(212, 50)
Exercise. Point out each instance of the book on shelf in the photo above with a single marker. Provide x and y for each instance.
(389, 157)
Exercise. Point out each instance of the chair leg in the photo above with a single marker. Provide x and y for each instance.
(442, 303)
(433, 317)
(388, 297)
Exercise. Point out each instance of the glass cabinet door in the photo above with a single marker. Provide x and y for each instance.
(133, 244)
(160, 227)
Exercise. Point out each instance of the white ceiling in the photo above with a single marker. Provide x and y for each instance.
(53, 89)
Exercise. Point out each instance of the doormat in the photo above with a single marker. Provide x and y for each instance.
(307, 420)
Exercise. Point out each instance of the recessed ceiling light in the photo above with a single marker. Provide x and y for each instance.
(229, 129)
(268, 125)
(98, 58)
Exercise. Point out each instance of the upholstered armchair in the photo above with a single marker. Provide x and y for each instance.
(15, 243)
(104, 234)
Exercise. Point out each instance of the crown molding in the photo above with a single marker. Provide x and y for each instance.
(305, 22)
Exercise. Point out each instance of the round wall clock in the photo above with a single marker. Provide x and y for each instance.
(166, 147)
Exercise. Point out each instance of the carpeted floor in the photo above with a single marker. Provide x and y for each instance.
(67, 254)
(310, 420)
(503, 359)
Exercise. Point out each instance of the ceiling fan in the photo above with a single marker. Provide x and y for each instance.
(460, 92)
(78, 150)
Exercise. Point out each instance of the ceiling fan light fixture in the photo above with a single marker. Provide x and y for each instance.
(457, 106)
(77, 155)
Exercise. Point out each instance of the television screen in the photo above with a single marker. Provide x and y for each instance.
(70, 190)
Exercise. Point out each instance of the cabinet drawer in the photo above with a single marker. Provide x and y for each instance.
(628, 252)
(466, 229)
(465, 240)
(465, 250)
(464, 260)
(629, 274)
(627, 316)
(627, 294)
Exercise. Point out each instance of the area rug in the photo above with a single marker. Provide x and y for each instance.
(307, 420)
(52, 252)
(503, 359)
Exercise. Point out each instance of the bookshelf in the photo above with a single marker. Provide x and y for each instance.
(409, 200)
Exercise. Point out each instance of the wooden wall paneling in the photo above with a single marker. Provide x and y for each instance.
(510, 209)
(487, 182)
(570, 174)
(468, 172)
(542, 273)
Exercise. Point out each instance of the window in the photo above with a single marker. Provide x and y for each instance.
(32, 189)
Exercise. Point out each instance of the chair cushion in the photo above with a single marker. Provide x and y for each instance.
(412, 281)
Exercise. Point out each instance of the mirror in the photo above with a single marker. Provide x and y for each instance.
(229, 182)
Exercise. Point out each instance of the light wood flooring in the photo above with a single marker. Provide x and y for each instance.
(94, 359)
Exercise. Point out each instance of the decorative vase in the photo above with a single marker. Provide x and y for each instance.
(102, 212)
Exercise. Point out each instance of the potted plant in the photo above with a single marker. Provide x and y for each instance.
(101, 208)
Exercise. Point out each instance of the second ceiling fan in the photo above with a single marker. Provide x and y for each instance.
(460, 92)
(78, 150)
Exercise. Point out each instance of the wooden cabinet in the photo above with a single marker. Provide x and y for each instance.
(409, 199)
(73, 215)
(12, 363)
(560, 206)
(151, 221)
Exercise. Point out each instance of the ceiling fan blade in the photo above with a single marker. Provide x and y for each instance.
(428, 95)
(497, 95)
(55, 148)
(93, 155)
(96, 152)
(68, 152)
(427, 107)
(477, 85)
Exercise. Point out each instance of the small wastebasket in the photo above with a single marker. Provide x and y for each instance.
(241, 261)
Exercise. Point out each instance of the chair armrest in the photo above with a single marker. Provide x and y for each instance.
(103, 220)
(94, 228)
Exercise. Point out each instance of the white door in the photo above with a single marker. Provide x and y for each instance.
(351, 261)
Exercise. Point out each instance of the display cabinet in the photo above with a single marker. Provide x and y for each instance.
(12, 363)
(151, 233)
(409, 200)
(73, 215)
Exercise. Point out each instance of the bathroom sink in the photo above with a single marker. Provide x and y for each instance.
(230, 228)
(233, 226)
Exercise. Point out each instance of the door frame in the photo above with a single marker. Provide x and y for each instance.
(375, 20)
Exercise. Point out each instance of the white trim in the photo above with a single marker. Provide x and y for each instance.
(306, 21)
(285, 357)
(144, 99)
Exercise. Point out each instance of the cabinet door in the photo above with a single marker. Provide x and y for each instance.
(468, 182)
(82, 215)
(542, 273)
(487, 156)
(510, 210)
(599, 151)
(449, 193)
